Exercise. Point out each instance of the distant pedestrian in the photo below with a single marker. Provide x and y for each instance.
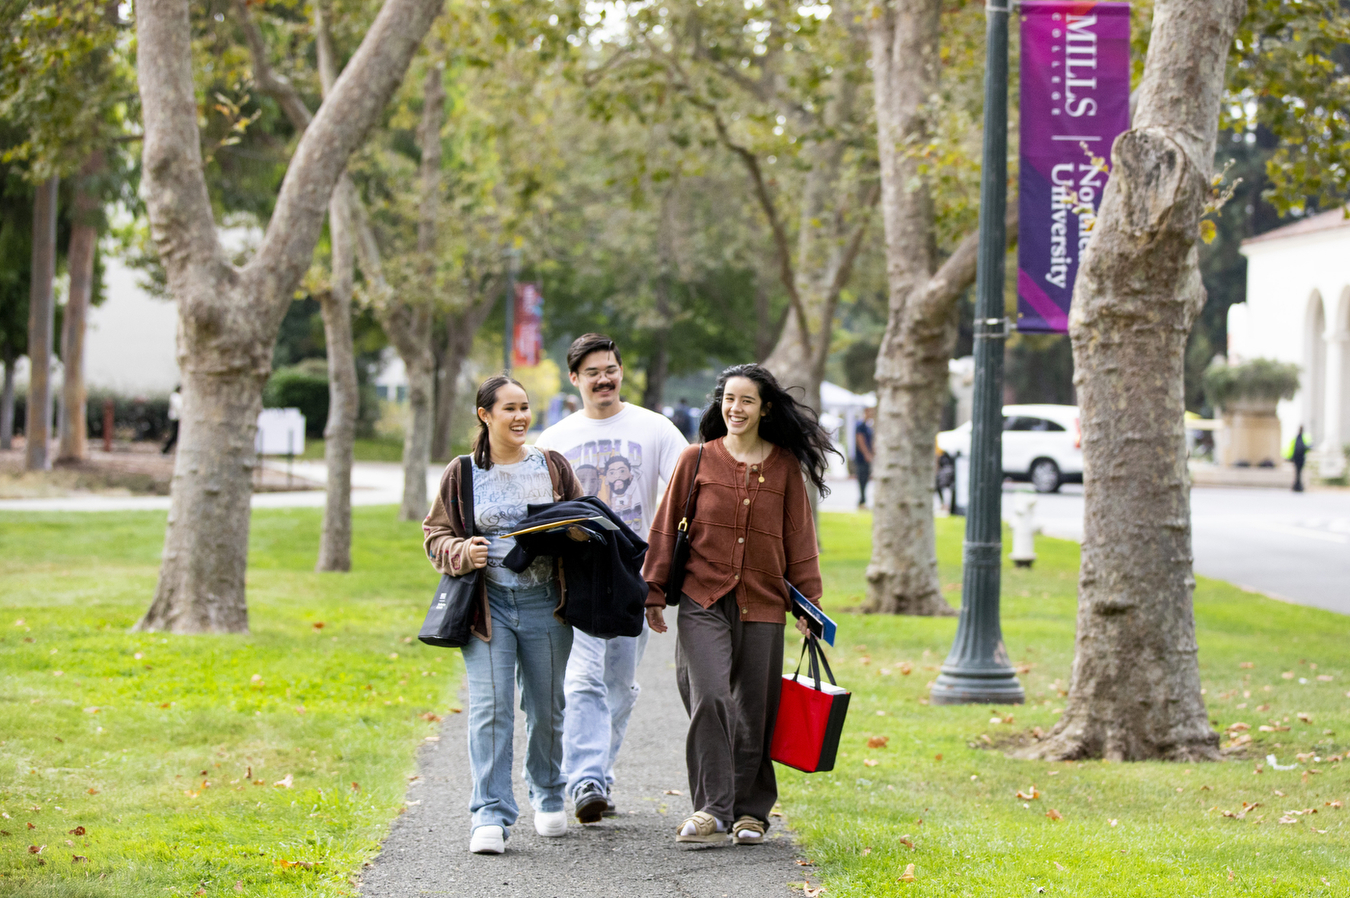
(1300, 455)
(752, 532)
(175, 415)
(864, 438)
(683, 420)
(518, 638)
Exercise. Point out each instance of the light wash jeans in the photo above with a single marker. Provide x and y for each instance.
(529, 647)
(601, 691)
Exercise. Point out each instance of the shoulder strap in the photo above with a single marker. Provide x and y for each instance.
(466, 490)
(689, 499)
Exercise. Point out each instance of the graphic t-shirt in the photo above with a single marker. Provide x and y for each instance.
(499, 499)
(624, 459)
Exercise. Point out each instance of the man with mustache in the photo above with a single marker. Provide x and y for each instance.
(630, 453)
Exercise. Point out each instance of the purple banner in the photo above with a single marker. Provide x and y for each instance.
(1075, 102)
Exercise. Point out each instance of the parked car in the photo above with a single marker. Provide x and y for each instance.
(1041, 443)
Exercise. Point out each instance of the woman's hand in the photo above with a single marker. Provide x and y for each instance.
(478, 552)
(656, 618)
(802, 627)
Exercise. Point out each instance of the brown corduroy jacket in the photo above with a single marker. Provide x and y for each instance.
(445, 532)
(745, 536)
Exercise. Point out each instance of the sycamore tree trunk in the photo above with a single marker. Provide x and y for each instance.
(911, 374)
(902, 576)
(409, 327)
(1135, 691)
(228, 316)
(41, 317)
(74, 444)
(7, 405)
(339, 432)
(460, 329)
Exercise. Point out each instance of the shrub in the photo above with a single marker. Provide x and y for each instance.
(1257, 379)
(303, 386)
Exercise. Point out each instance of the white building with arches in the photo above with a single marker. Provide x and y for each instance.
(1298, 310)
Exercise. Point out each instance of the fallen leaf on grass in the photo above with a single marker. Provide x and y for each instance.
(356, 787)
(1238, 727)
(906, 668)
(5, 832)
(318, 625)
(286, 781)
(78, 859)
(1031, 794)
(32, 826)
(1060, 866)
(878, 741)
(937, 757)
(432, 717)
(870, 762)
(1325, 678)
(1334, 804)
(803, 862)
(812, 892)
(1247, 664)
(1287, 818)
(1230, 874)
(1304, 716)
(291, 865)
(239, 885)
(36, 849)
(908, 875)
(866, 852)
(1288, 675)
(908, 843)
(77, 831)
(1054, 814)
(1113, 822)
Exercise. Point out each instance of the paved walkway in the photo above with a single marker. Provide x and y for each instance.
(633, 855)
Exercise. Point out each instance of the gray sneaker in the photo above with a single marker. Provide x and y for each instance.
(590, 802)
(610, 810)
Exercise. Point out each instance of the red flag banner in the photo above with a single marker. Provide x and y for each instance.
(527, 338)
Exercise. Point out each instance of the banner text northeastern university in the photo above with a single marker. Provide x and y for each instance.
(1075, 97)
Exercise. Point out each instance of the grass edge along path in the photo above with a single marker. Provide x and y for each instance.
(149, 764)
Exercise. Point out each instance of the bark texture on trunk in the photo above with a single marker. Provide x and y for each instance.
(41, 322)
(7, 405)
(228, 316)
(1135, 691)
(74, 444)
(417, 438)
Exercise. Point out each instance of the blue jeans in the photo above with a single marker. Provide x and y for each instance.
(529, 646)
(601, 693)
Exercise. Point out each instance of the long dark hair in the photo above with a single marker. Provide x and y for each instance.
(487, 398)
(788, 424)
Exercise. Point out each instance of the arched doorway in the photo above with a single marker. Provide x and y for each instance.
(1315, 369)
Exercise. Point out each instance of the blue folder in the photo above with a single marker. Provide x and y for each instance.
(816, 620)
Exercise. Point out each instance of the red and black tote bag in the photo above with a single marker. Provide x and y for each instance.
(810, 715)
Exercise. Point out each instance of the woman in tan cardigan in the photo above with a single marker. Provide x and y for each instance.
(751, 532)
(514, 622)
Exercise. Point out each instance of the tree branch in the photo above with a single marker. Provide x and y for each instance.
(958, 272)
(269, 81)
(340, 126)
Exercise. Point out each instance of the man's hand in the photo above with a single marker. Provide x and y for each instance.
(656, 618)
(802, 627)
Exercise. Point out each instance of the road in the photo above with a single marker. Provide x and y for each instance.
(1293, 546)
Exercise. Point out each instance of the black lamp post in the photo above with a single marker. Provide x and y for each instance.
(977, 670)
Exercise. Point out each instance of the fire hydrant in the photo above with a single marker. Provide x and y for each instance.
(1024, 530)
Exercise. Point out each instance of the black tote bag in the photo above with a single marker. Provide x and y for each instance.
(679, 556)
(451, 612)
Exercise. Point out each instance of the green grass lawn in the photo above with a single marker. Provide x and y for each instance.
(375, 449)
(938, 796)
(176, 764)
(158, 758)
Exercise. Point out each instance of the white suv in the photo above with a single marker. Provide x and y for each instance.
(1041, 443)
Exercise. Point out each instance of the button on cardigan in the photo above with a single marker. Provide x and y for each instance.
(747, 535)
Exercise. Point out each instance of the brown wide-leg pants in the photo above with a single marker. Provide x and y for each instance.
(729, 674)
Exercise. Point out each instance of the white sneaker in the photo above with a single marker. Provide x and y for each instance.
(487, 840)
(550, 823)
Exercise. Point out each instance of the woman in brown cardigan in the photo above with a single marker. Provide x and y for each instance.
(519, 638)
(751, 531)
